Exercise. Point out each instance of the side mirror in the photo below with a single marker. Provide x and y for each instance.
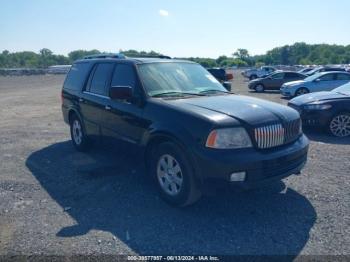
(120, 92)
(227, 85)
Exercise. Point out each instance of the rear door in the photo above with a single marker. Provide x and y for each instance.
(95, 98)
(122, 119)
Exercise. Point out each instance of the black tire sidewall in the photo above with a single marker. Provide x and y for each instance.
(188, 184)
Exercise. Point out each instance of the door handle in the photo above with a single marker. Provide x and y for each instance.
(81, 100)
(108, 108)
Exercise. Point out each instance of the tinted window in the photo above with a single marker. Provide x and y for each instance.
(100, 78)
(291, 75)
(77, 76)
(343, 77)
(327, 77)
(277, 76)
(124, 75)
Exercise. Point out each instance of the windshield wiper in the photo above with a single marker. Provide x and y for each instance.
(213, 91)
(174, 93)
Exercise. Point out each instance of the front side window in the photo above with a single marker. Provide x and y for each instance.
(177, 77)
(124, 75)
(100, 78)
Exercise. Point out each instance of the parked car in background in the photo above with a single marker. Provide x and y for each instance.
(257, 73)
(274, 81)
(58, 69)
(324, 69)
(223, 77)
(325, 81)
(330, 110)
(305, 70)
(193, 133)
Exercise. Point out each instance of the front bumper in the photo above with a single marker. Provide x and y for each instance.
(261, 166)
(287, 92)
(317, 118)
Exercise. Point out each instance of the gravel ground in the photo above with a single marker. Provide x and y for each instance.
(54, 200)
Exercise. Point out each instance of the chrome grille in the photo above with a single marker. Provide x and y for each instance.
(269, 136)
(277, 134)
(293, 129)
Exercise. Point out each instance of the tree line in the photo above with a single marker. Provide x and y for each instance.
(296, 54)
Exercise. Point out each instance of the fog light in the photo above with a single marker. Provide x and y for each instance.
(237, 177)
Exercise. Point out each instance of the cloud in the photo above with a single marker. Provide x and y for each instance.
(163, 12)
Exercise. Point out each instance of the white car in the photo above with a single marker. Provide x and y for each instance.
(258, 73)
(325, 81)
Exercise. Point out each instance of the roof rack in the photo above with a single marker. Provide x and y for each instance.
(119, 55)
(151, 56)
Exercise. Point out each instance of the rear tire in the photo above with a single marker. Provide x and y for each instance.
(174, 176)
(78, 135)
(302, 91)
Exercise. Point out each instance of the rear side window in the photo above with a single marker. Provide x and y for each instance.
(100, 78)
(76, 77)
(328, 77)
(343, 77)
(291, 75)
(124, 75)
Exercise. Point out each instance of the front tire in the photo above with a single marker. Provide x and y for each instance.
(174, 176)
(259, 88)
(339, 125)
(78, 136)
(301, 91)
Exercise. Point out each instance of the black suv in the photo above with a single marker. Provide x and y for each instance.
(194, 134)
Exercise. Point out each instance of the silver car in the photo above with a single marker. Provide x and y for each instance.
(325, 81)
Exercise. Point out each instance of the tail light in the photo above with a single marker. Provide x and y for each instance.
(229, 76)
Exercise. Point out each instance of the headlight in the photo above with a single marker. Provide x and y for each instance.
(317, 106)
(228, 138)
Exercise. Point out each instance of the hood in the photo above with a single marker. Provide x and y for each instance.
(248, 110)
(317, 96)
(294, 83)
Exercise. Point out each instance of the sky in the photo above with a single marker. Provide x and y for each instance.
(179, 28)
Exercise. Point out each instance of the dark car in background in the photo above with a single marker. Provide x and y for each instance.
(192, 132)
(329, 110)
(274, 81)
(223, 77)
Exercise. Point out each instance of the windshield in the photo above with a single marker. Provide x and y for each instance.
(313, 77)
(176, 78)
(344, 89)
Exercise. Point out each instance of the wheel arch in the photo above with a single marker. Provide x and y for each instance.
(163, 136)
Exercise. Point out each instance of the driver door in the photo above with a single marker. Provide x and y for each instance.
(122, 119)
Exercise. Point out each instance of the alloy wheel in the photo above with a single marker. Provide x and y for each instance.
(340, 125)
(77, 132)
